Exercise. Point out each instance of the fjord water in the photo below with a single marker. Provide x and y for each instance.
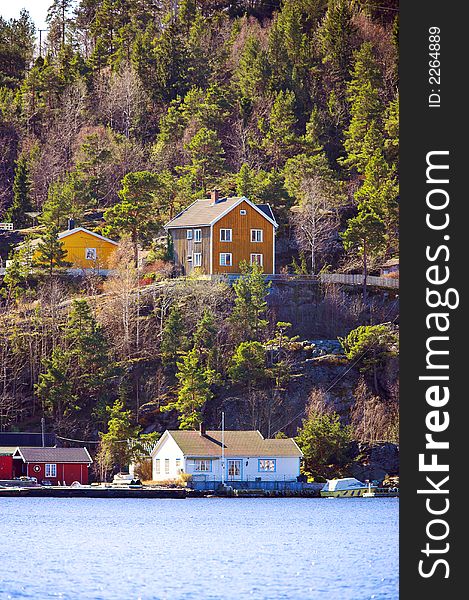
(199, 549)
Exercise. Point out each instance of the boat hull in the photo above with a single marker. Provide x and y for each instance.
(355, 493)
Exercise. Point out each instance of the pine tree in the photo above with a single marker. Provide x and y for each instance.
(173, 340)
(281, 140)
(16, 275)
(335, 37)
(391, 127)
(92, 366)
(21, 195)
(246, 182)
(379, 192)
(207, 158)
(363, 94)
(205, 339)
(114, 449)
(194, 390)
(50, 252)
(250, 307)
(365, 233)
(134, 215)
(253, 70)
(56, 391)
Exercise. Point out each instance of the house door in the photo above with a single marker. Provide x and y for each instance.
(234, 469)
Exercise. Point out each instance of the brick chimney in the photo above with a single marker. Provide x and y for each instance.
(202, 430)
(215, 196)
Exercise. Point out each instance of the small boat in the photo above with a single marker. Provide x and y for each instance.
(348, 487)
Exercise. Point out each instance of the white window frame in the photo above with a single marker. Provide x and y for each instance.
(157, 466)
(166, 466)
(197, 259)
(229, 237)
(254, 236)
(178, 465)
(223, 262)
(260, 262)
(189, 234)
(91, 254)
(267, 465)
(50, 470)
(243, 211)
(197, 235)
(202, 465)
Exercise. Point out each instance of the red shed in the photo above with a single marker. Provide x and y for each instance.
(57, 465)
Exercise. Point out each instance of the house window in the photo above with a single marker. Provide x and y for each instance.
(202, 465)
(197, 235)
(90, 253)
(257, 235)
(157, 466)
(189, 234)
(256, 259)
(178, 465)
(197, 259)
(166, 466)
(51, 470)
(225, 259)
(267, 465)
(226, 235)
(189, 258)
(242, 212)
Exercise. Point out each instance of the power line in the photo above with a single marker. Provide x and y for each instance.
(341, 376)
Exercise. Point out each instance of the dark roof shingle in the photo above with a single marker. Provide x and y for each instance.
(54, 455)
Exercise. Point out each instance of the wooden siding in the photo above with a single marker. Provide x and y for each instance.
(241, 246)
(76, 244)
(184, 248)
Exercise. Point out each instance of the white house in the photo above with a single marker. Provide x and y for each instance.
(248, 456)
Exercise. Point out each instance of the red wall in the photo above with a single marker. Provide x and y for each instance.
(6, 467)
(68, 472)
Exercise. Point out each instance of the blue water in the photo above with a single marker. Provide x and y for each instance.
(198, 549)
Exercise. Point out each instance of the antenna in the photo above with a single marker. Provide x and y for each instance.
(223, 448)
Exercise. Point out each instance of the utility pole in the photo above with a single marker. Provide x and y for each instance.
(223, 448)
(43, 435)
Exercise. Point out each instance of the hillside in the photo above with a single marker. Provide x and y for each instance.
(127, 113)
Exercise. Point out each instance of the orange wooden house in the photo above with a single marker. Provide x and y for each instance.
(216, 234)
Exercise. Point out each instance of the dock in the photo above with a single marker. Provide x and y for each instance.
(91, 492)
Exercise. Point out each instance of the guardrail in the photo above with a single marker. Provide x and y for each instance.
(346, 279)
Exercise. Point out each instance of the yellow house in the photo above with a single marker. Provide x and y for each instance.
(86, 250)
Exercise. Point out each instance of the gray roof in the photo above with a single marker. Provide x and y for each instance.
(237, 443)
(54, 455)
(205, 212)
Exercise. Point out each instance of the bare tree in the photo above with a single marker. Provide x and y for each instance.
(316, 221)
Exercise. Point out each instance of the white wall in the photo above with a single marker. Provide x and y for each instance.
(168, 450)
(287, 469)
